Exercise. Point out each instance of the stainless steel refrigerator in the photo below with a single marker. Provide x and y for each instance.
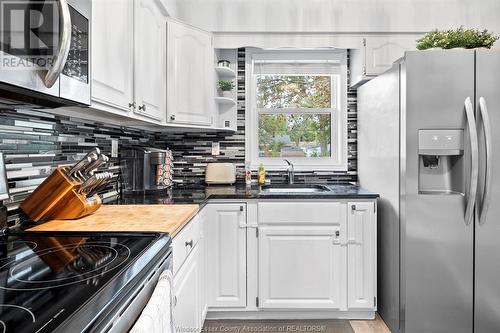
(429, 143)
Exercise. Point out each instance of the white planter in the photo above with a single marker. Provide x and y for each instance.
(227, 94)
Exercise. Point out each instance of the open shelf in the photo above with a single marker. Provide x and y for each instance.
(225, 100)
(225, 72)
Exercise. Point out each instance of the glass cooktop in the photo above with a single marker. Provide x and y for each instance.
(49, 280)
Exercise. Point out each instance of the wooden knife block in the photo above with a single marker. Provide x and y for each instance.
(57, 198)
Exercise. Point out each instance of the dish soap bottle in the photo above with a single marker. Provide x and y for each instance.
(262, 175)
(248, 174)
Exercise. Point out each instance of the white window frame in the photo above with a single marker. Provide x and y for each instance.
(338, 162)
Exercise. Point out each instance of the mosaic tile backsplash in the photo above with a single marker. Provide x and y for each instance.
(35, 142)
(192, 151)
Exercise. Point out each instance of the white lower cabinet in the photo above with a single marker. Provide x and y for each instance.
(282, 259)
(187, 295)
(362, 255)
(301, 267)
(226, 255)
(189, 277)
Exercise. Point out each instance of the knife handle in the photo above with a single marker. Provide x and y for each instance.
(84, 161)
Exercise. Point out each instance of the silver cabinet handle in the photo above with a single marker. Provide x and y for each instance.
(142, 107)
(336, 238)
(172, 117)
(474, 174)
(64, 45)
(487, 182)
(175, 300)
(190, 243)
(131, 105)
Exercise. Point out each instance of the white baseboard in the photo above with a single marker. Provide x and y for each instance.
(303, 314)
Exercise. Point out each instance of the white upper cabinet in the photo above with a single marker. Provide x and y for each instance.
(190, 75)
(226, 255)
(377, 55)
(112, 54)
(362, 255)
(128, 58)
(150, 63)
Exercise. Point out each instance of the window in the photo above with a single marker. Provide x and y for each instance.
(296, 109)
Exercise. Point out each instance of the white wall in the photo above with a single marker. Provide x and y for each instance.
(337, 15)
(172, 8)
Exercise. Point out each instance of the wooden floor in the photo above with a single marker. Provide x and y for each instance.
(296, 326)
(370, 326)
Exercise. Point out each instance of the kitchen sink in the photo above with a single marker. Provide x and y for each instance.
(293, 189)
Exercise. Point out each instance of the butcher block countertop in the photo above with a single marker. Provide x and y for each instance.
(139, 218)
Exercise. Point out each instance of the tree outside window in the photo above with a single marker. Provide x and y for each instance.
(301, 133)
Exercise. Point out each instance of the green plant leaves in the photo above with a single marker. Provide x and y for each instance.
(455, 38)
(225, 85)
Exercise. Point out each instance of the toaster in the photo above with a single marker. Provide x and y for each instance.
(220, 173)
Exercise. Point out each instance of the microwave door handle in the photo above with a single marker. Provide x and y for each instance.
(64, 45)
(474, 174)
(488, 148)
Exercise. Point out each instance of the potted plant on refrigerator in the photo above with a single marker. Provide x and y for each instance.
(457, 38)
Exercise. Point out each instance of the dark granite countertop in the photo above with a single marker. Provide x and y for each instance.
(200, 194)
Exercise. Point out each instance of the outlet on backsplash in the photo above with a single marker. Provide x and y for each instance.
(215, 148)
(114, 148)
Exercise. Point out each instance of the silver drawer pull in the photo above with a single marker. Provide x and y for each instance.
(190, 243)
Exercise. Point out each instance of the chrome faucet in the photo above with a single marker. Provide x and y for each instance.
(291, 172)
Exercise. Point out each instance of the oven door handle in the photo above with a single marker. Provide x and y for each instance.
(64, 45)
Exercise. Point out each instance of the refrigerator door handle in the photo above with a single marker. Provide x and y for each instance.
(487, 182)
(474, 174)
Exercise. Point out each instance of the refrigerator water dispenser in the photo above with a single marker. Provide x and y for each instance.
(441, 169)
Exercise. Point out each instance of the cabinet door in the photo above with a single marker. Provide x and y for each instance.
(150, 64)
(226, 255)
(381, 52)
(362, 255)
(202, 215)
(190, 75)
(112, 53)
(187, 316)
(301, 267)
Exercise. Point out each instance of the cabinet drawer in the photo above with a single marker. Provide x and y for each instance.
(184, 242)
(301, 212)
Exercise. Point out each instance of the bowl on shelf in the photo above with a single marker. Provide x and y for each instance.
(223, 63)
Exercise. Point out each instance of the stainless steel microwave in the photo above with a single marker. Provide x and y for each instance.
(52, 79)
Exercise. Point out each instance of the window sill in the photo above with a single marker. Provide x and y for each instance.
(301, 168)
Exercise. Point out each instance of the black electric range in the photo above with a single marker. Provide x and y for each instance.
(71, 282)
